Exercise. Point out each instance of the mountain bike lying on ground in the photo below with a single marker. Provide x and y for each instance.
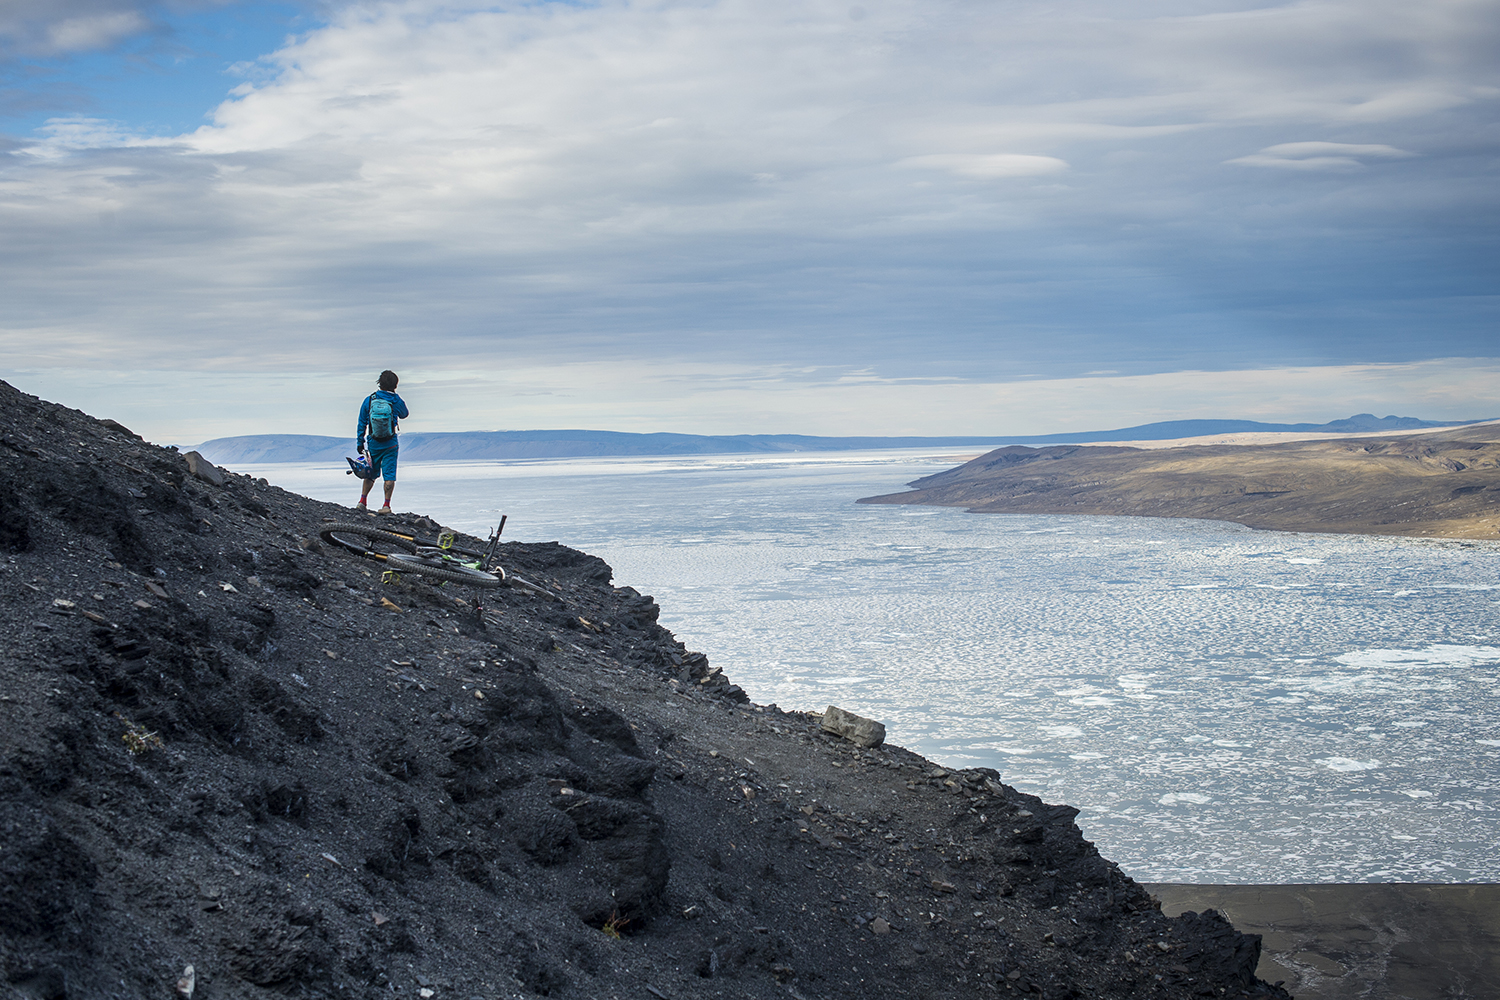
(439, 558)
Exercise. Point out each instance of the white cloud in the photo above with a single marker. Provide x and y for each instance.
(987, 165)
(62, 136)
(55, 27)
(1321, 155)
(711, 183)
(94, 32)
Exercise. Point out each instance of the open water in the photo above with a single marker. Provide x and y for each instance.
(1223, 705)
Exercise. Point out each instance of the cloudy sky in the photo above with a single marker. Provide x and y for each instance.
(726, 216)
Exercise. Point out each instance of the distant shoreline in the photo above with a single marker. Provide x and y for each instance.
(580, 443)
(1427, 484)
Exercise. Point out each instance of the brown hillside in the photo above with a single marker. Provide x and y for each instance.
(1444, 484)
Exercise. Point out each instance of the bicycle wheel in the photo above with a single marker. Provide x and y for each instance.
(402, 562)
(365, 540)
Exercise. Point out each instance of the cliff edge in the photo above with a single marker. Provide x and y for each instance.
(224, 746)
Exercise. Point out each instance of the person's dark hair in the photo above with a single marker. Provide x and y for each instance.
(388, 380)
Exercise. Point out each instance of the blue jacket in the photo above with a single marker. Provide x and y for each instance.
(397, 407)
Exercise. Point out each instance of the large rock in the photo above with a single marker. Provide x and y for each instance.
(204, 469)
(854, 728)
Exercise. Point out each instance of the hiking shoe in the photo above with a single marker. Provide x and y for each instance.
(362, 507)
(385, 510)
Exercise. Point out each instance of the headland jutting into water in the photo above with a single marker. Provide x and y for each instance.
(1436, 484)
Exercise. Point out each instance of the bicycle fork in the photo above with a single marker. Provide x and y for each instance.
(484, 563)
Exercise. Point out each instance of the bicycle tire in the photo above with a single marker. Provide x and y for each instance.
(365, 540)
(401, 562)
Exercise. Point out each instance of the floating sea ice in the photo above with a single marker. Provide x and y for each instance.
(1348, 764)
(1488, 743)
(1416, 793)
(1338, 685)
(1178, 798)
(1435, 655)
(1301, 561)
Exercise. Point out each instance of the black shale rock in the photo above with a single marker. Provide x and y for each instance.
(223, 745)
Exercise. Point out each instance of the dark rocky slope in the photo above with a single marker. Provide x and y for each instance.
(223, 745)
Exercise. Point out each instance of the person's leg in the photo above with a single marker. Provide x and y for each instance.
(388, 471)
(374, 459)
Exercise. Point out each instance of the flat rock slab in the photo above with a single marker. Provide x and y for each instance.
(855, 728)
(204, 469)
(1383, 941)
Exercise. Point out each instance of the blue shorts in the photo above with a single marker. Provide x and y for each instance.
(382, 460)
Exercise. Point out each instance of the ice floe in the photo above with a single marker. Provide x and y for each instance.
(1348, 764)
(1435, 655)
(1177, 798)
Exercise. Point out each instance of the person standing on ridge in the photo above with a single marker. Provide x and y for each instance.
(379, 414)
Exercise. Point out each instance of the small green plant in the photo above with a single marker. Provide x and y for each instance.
(613, 925)
(138, 739)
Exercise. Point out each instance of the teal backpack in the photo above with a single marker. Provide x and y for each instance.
(382, 419)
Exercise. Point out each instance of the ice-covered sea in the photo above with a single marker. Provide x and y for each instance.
(1223, 705)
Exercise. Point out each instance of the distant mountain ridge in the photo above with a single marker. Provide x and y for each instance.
(252, 449)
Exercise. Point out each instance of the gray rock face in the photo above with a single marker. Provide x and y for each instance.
(854, 728)
(204, 469)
